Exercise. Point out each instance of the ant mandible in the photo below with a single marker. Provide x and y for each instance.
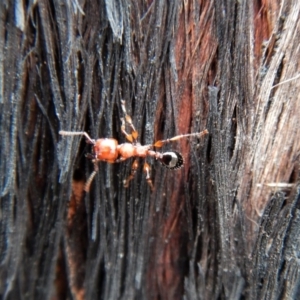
(108, 149)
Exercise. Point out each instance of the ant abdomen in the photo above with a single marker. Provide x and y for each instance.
(172, 160)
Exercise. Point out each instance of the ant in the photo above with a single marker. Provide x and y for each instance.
(108, 149)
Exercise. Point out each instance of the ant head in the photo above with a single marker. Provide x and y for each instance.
(172, 160)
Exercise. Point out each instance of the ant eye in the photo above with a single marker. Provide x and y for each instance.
(90, 156)
(172, 160)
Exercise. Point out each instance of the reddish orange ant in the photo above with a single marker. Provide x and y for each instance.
(108, 149)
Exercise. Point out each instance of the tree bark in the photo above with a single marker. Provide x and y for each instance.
(226, 225)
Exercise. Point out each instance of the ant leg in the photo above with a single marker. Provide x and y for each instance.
(129, 137)
(160, 143)
(134, 134)
(91, 141)
(134, 167)
(91, 177)
(146, 170)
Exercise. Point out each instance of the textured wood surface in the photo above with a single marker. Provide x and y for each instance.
(226, 225)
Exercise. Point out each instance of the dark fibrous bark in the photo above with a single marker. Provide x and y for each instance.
(226, 225)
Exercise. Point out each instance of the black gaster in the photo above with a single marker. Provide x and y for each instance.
(172, 160)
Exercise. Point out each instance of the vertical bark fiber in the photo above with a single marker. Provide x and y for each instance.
(226, 225)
